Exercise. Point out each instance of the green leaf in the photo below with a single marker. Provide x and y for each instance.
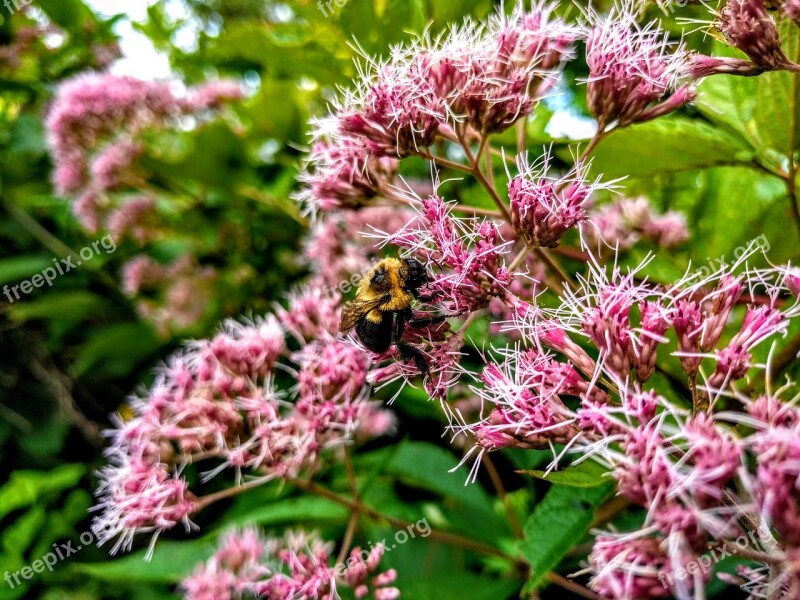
(70, 14)
(25, 488)
(760, 109)
(19, 536)
(14, 270)
(27, 136)
(170, 563)
(467, 508)
(306, 509)
(559, 522)
(425, 465)
(117, 348)
(456, 586)
(584, 475)
(667, 145)
(64, 306)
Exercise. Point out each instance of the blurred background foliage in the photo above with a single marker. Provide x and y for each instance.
(73, 352)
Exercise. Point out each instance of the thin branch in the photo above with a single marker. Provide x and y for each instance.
(478, 174)
(590, 147)
(497, 482)
(348, 537)
(62, 393)
(544, 256)
(571, 586)
(449, 538)
(791, 176)
(444, 162)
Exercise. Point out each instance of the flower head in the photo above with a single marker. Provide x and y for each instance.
(632, 67)
(543, 207)
(747, 26)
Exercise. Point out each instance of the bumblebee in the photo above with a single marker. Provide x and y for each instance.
(382, 308)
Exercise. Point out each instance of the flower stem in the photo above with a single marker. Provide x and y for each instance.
(478, 174)
(497, 482)
(590, 147)
(571, 586)
(448, 538)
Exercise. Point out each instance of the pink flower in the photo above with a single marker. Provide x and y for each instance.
(629, 569)
(310, 314)
(667, 230)
(714, 455)
(747, 26)
(250, 349)
(777, 494)
(136, 496)
(620, 224)
(527, 411)
(331, 371)
(543, 208)
(791, 8)
(472, 251)
(177, 294)
(654, 323)
(88, 208)
(687, 319)
(140, 272)
(645, 474)
(111, 168)
(341, 173)
(722, 300)
(212, 95)
(632, 67)
(791, 279)
(700, 66)
(359, 569)
(95, 128)
(133, 218)
(295, 566)
(733, 361)
(388, 117)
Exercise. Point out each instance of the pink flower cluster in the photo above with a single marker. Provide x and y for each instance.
(94, 128)
(173, 297)
(677, 465)
(621, 224)
(295, 566)
(634, 71)
(219, 403)
(473, 80)
(544, 208)
(472, 249)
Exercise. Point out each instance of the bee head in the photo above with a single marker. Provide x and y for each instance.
(415, 274)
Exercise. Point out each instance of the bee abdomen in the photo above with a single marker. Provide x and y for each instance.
(377, 337)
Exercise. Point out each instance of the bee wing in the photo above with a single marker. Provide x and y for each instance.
(354, 310)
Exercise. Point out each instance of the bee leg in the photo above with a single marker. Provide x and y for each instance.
(400, 320)
(427, 321)
(407, 351)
